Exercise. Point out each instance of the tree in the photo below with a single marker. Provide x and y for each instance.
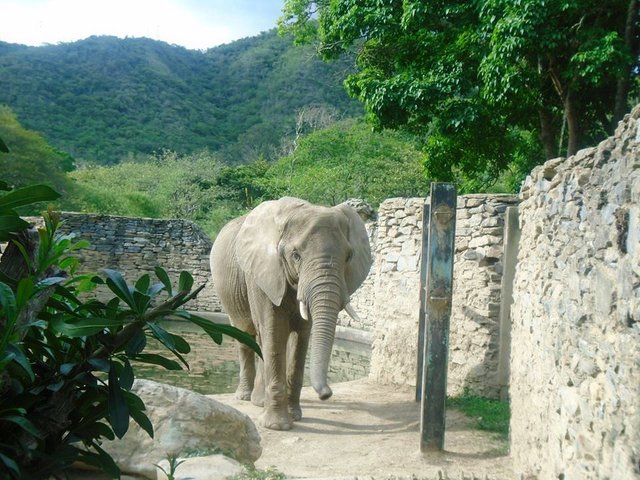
(571, 61)
(349, 160)
(476, 78)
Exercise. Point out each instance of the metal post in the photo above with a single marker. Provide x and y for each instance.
(438, 312)
(424, 257)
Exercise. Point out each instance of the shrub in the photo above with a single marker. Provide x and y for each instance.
(67, 360)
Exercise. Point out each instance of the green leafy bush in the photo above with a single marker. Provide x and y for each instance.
(349, 160)
(67, 360)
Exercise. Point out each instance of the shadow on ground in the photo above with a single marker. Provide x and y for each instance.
(367, 429)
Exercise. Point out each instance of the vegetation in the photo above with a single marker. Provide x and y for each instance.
(66, 361)
(328, 166)
(489, 415)
(491, 84)
(31, 159)
(349, 160)
(173, 464)
(165, 185)
(252, 473)
(104, 98)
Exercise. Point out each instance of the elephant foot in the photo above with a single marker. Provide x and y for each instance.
(257, 398)
(243, 393)
(295, 412)
(275, 420)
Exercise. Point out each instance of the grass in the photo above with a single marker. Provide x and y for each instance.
(489, 415)
(251, 473)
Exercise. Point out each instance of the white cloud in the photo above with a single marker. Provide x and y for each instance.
(193, 24)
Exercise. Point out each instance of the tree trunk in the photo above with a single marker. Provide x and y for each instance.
(547, 135)
(573, 123)
(624, 82)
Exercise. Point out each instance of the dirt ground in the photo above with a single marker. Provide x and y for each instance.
(369, 430)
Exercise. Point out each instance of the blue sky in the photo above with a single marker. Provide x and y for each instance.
(196, 24)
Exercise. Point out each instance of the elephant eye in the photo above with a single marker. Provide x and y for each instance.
(349, 256)
(295, 255)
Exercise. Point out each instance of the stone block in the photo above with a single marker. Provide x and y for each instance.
(185, 423)
(407, 263)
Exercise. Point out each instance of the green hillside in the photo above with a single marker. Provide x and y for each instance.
(103, 99)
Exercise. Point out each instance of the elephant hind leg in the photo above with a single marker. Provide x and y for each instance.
(247, 372)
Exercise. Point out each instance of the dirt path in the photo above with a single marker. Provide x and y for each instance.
(367, 429)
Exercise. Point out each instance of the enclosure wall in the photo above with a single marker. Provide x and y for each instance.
(575, 361)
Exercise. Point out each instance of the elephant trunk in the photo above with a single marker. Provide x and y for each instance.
(324, 309)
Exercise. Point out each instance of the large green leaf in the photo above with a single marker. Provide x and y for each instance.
(154, 359)
(136, 344)
(141, 301)
(27, 196)
(8, 303)
(24, 292)
(126, 375)
(177, 345)
(185, 282)
(118, 408)
(164, 278)
(6, 358)
(106, 462)
(141, 419)
(10, 224)
(83, 327)
(21, 359)
(118, 286)
(10, 464)
(142, 285)
(23, 423)
(216, 330)
(136, 410)
(161, 334)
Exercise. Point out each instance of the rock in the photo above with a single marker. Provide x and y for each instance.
(210, 467)
(185, 423)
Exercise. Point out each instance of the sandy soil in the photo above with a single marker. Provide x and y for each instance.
(368, 430)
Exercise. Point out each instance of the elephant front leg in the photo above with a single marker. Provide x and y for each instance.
(274, 332)
(297, 352)
(275, 414)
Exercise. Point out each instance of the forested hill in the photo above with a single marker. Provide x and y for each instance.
(103, 98)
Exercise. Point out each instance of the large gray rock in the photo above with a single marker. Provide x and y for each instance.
(185, 424)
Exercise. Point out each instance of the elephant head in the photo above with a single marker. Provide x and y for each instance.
(319, 254)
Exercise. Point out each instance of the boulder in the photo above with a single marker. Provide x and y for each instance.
(186, 424)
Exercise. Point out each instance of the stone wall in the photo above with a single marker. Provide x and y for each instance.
(575, 362)
(135, 246)
(395, 283)
(387, 302)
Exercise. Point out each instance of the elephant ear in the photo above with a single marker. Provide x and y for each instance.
(257, 245)
(360, 263)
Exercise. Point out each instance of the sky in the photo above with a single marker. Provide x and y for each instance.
(194, 24)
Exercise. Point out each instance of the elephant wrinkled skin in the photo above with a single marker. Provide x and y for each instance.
(283, 273)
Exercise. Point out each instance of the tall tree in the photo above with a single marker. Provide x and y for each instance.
(569, 60)
(478, 77)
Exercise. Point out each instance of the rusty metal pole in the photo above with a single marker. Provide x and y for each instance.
(439, 291)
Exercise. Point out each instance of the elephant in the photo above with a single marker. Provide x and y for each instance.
(283, 272)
